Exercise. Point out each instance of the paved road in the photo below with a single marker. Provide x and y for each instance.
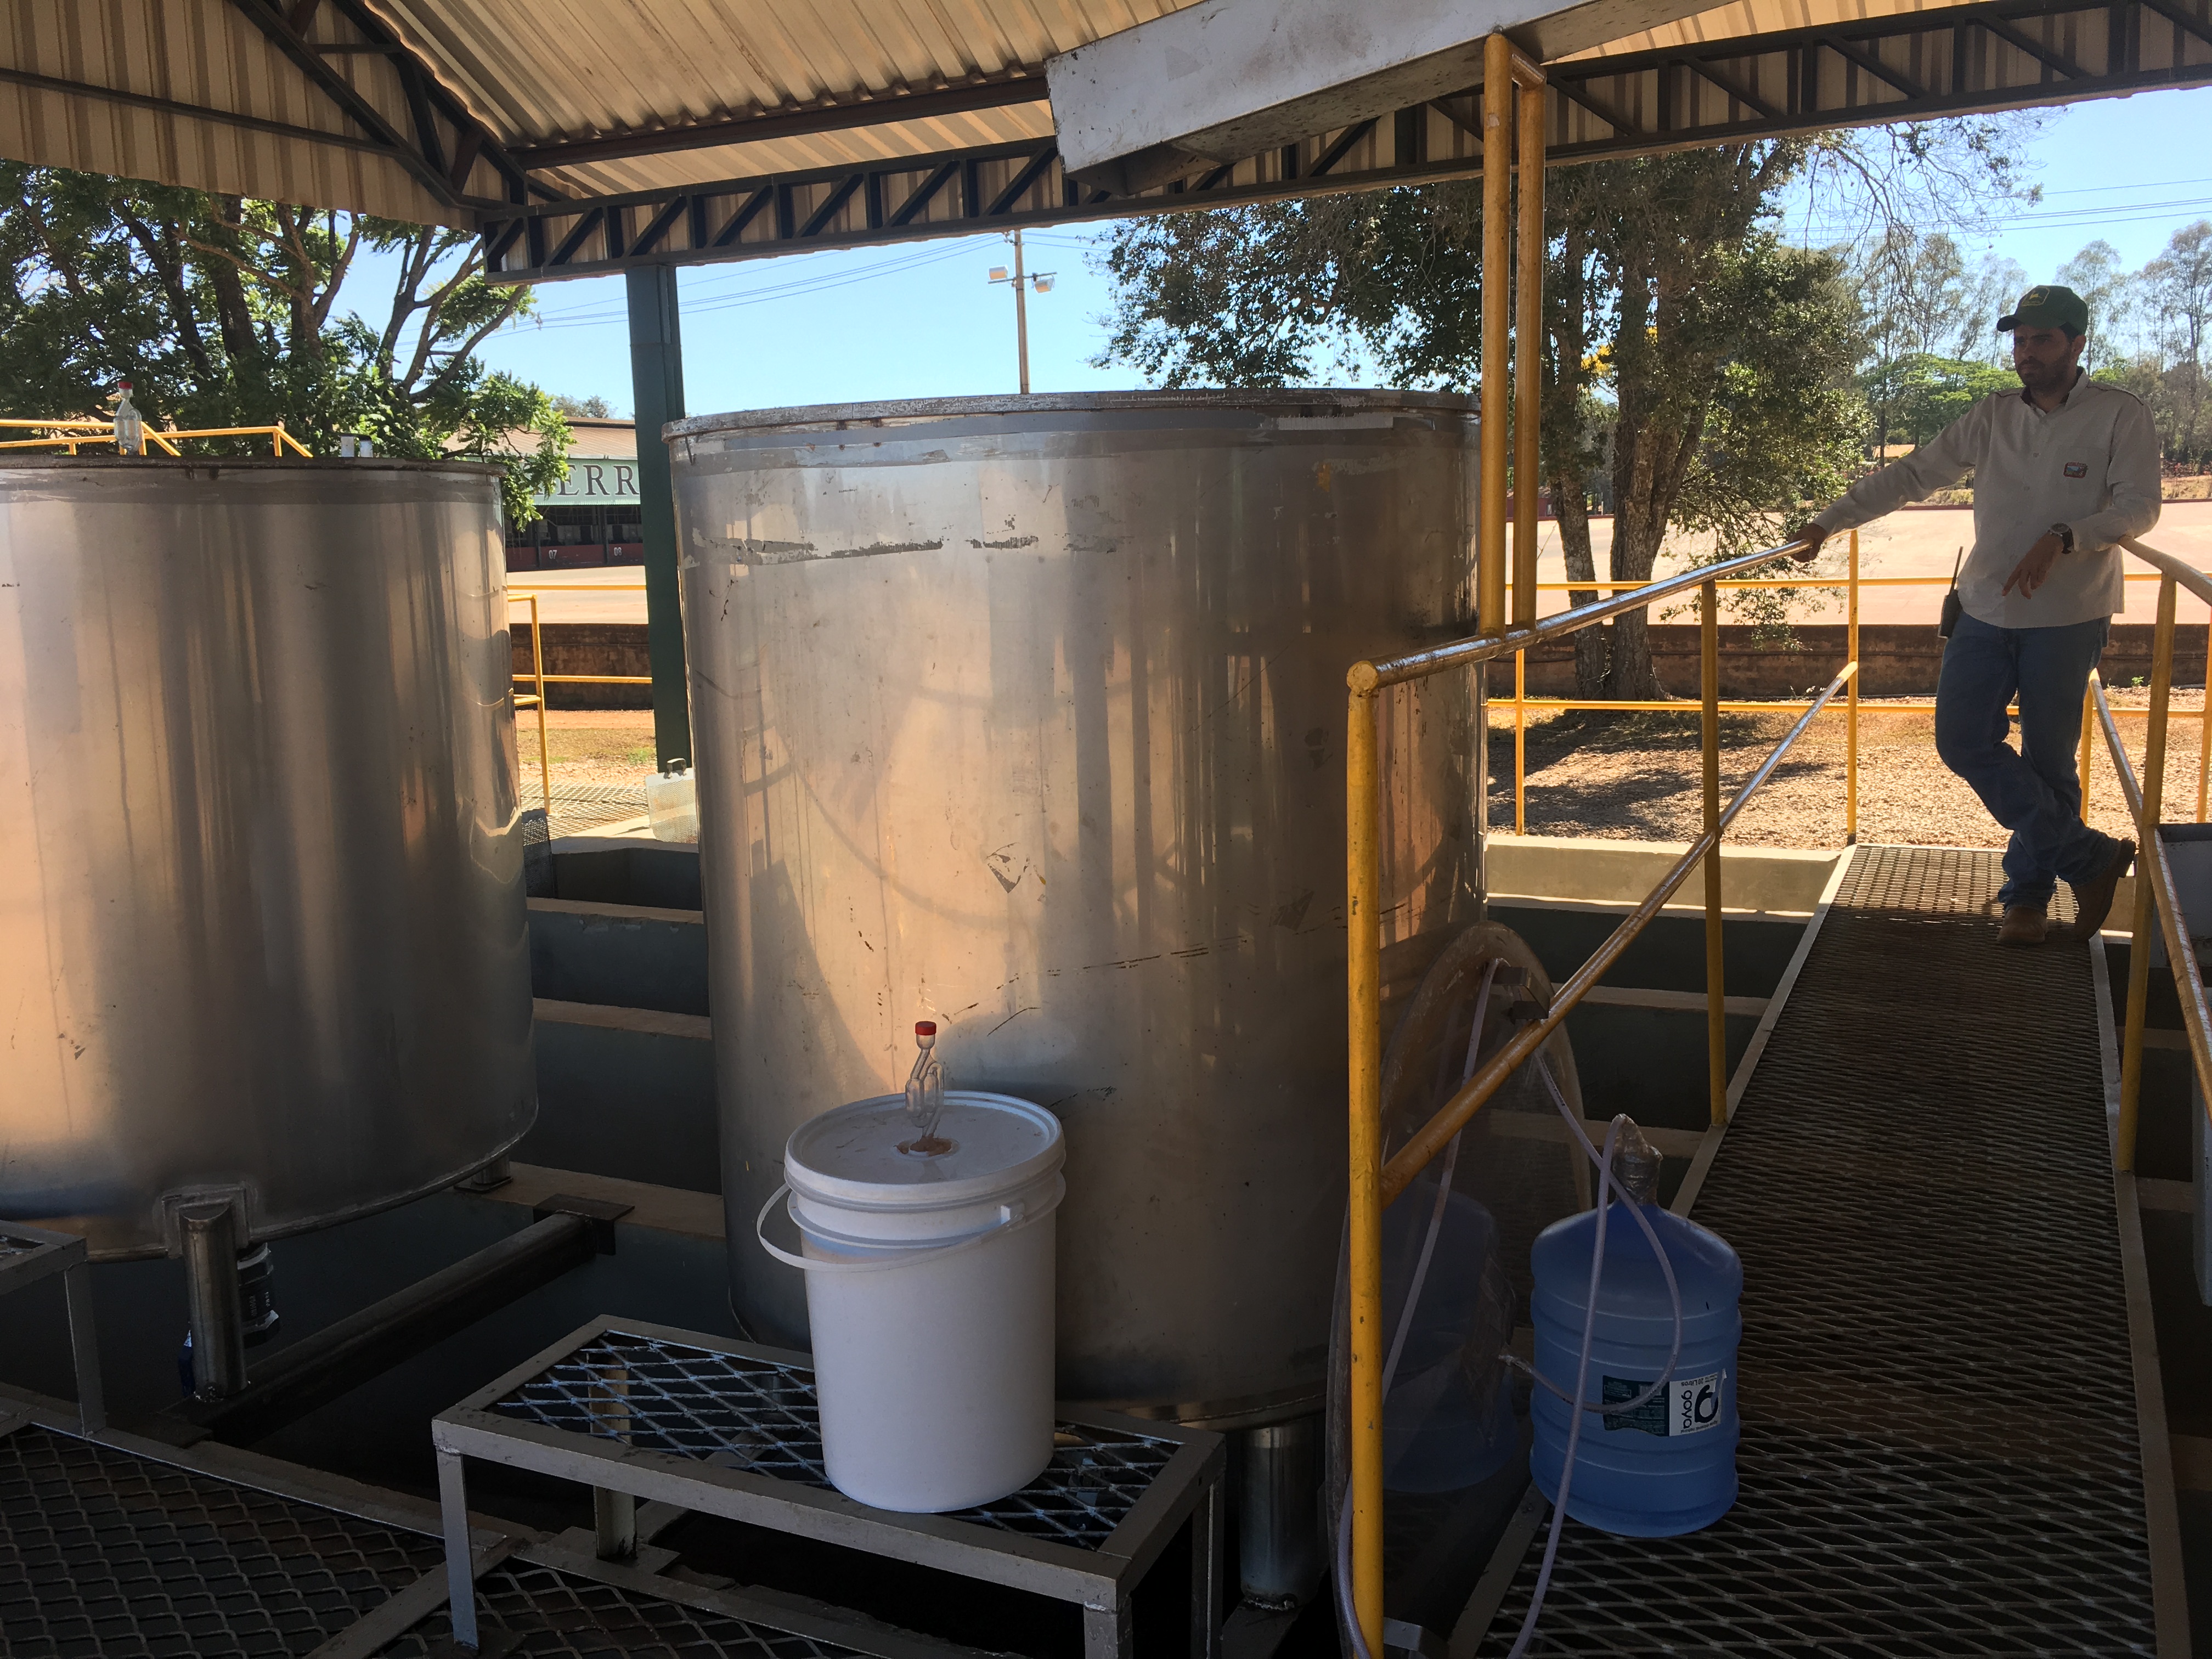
(1917, 542)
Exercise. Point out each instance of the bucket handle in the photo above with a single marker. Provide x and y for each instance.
(1010, 1216)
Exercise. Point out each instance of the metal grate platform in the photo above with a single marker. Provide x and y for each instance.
(102, 1553)
(1940, 1449)
(551, 1614)
(739, 1411)
(729, 1428)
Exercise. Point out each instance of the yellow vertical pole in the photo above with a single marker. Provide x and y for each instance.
(2149, 854)
(2087, 760)
(1715, 982)
(538, 670)
(1528, 343)
(1363, 997)
(1851, 707)
(1520, 743)
(2204, 748)
(276, 441)
(1497, 291)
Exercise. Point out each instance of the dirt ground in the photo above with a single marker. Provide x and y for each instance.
(1624, 777)
(589, 745)
(1635, 777)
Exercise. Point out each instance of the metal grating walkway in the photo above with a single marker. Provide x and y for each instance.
(1939, 1446)
(103, 1553)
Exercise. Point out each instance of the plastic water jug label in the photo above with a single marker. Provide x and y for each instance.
(1687, 1405)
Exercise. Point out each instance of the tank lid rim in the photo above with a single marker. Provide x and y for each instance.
(168, 464)
(1321, 399)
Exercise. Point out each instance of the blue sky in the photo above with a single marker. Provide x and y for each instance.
(923, 320)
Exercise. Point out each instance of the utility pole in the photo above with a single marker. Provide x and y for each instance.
(1022, 281)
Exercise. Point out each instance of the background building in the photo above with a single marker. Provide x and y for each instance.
(593, 517)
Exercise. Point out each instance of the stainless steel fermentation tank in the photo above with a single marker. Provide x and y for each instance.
(1027, 715)
(262, 924)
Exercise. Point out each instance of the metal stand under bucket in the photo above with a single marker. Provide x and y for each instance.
(598, 1407)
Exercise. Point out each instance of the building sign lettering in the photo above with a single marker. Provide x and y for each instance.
(597, 482)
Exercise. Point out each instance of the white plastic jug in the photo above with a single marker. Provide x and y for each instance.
(929, 1286)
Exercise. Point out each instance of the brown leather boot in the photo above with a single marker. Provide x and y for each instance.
(2023, 924)
(2092, 899)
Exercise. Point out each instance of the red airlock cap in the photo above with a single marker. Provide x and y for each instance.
(924, 1028)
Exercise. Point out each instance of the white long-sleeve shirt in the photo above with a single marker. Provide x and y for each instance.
(2093, 464)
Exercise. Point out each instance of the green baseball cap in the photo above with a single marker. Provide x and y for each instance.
(2049, 307)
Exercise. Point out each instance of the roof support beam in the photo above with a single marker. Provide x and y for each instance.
(278, 30)
(787, 124)
(1720, 92)
(1227, 79)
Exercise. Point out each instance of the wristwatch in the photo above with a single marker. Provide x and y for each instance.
(2065, 534)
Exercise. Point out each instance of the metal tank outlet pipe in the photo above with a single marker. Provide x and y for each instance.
(209, 1235)
(1280, 1557)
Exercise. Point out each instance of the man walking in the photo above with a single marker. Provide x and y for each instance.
(2062, 468)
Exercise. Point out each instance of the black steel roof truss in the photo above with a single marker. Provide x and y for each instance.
(1019, 186)
(1588, 93)
(2021, 41)
(832, 204)
(1325, 163)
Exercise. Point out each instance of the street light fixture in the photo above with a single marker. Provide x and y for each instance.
(1023, 281)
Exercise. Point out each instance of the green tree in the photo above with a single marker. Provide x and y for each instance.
(224, 312)
(1703, 362)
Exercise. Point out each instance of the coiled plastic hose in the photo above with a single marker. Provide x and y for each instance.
(1607, 1184)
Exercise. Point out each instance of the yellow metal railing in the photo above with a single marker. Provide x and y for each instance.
(1374, 1183)
(539, 680)
(69, 434)
(2154, 885)
(1522, 703)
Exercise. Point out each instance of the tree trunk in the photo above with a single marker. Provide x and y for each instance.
(1572, 506)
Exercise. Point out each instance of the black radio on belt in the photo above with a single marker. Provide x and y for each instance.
(1951, 605)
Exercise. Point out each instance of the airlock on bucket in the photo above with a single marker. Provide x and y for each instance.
(929, 1286)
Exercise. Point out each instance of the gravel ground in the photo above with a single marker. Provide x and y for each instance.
(1626, 777)
(588, 746)
(1635, 777)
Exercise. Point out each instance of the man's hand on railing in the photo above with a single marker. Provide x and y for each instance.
(2034, 568)
(1812, 536)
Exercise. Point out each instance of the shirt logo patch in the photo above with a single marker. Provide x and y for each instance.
(2077, 469)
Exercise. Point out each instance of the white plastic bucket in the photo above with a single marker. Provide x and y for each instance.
(929, 1285)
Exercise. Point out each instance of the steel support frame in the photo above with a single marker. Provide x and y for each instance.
(656, 371)
(1101, 1581)
(424, 154)
(490, 1543)
(1596, 108)
(67, 1255)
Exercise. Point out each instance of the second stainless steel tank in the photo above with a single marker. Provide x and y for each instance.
(1027, 715)
(262, 924)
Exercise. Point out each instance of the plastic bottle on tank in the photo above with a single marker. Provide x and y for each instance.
(672, 803)
(1670, 1467)
(130, 425)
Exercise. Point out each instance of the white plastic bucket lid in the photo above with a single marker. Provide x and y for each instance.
(850, 1157)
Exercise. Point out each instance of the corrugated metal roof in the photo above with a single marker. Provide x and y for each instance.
(1747, 17)
(221, 95)
(159, 55)
(540, 71)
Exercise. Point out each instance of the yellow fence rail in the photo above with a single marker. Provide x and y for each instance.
(1374, 1181)
(539, 679)
(1852, 583)
(69, 435)
(2158, 912)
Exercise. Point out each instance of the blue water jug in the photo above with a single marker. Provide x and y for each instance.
(1668, 1467)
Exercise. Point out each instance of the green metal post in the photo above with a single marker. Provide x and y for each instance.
(656, 371)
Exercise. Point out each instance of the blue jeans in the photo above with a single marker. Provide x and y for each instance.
(2033, 790)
